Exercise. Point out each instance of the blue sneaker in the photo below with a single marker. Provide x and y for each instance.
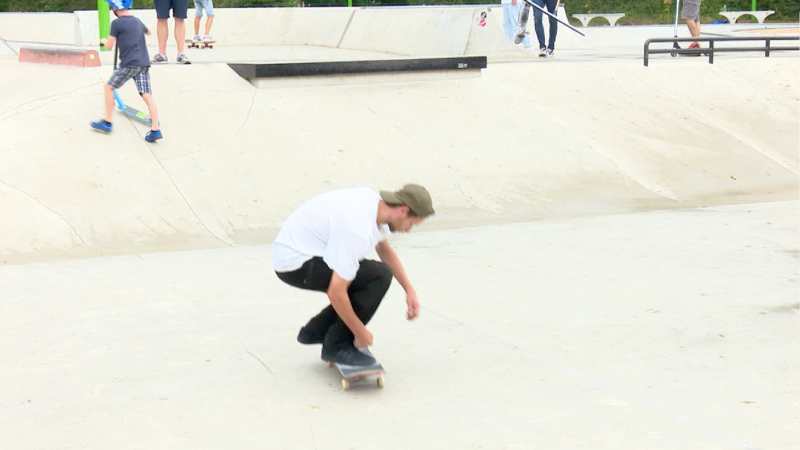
(153, 136)
(102, 125)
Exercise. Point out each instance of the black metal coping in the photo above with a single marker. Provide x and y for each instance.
(304, 69)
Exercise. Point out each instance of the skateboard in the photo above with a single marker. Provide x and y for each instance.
(358, 373)
(522, 24)
(200, 44)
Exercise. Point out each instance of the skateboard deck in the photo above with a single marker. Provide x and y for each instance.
(522, 24)
(200, 44)
(358, 373)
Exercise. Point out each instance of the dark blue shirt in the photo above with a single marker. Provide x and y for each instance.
(129, 32)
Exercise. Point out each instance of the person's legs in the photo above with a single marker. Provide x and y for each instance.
(198, 14)
(694, 27)
(209, 7)
(108, 98)
(690, 13)
(537, 24)
(551, 8)
(180, 34)
(118, 78)
(180, 11)
(510, 19)
(366, 293)
(162, 32)
(142, 80)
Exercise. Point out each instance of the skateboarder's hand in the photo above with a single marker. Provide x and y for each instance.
(363, 341)
(413, 305)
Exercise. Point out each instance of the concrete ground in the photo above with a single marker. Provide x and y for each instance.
(614, 261)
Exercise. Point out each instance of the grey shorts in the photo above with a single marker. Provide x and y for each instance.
(691, 10)
(140, 74)
(179, 8)
(200, 5)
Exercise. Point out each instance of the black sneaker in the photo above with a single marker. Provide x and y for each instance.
(349, 356)
(307, 336)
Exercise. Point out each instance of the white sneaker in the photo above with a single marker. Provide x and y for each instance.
(207, 39)
(183, 59)
(159, 58)
(542, 51)
(196, 38)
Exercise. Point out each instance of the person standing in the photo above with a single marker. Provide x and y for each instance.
(179, 10)
(323, 246)
(552, 7)
(208, 6)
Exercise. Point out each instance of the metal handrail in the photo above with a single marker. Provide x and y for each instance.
(711, 49)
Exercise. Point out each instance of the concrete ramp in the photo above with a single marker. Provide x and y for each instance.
(429, 32)
(492, 149)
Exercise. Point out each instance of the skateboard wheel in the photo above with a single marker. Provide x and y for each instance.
(345, 384)
(381, 382)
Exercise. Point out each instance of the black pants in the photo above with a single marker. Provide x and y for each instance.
(366, 293)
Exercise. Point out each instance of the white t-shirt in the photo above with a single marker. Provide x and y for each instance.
(340, 226)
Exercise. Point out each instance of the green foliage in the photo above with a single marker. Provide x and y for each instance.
(636, 11)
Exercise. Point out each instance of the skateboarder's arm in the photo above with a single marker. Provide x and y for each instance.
(387, 254)
(337, 294)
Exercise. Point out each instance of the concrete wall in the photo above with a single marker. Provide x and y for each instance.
(410, 31)
(53, 28)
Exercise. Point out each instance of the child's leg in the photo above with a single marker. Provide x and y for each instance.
(109, 101)
(209, 8)
(142, 80)
(196, 26)
(153, 109)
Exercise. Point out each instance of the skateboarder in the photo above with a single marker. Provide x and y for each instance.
(322, 246)
(208, 6)
(179, 12)
(128, 33)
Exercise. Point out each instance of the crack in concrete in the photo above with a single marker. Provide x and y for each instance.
(246, 119)
(185, 200)
(52, 98)
(215, 144)
(74, 230)
(446, 169)
(275, 381)
(311, 429)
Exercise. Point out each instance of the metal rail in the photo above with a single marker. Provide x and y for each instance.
(711, 49)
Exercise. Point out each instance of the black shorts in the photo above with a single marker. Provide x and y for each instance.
(179, 8)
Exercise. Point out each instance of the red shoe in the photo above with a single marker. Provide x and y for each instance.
(694, 45)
